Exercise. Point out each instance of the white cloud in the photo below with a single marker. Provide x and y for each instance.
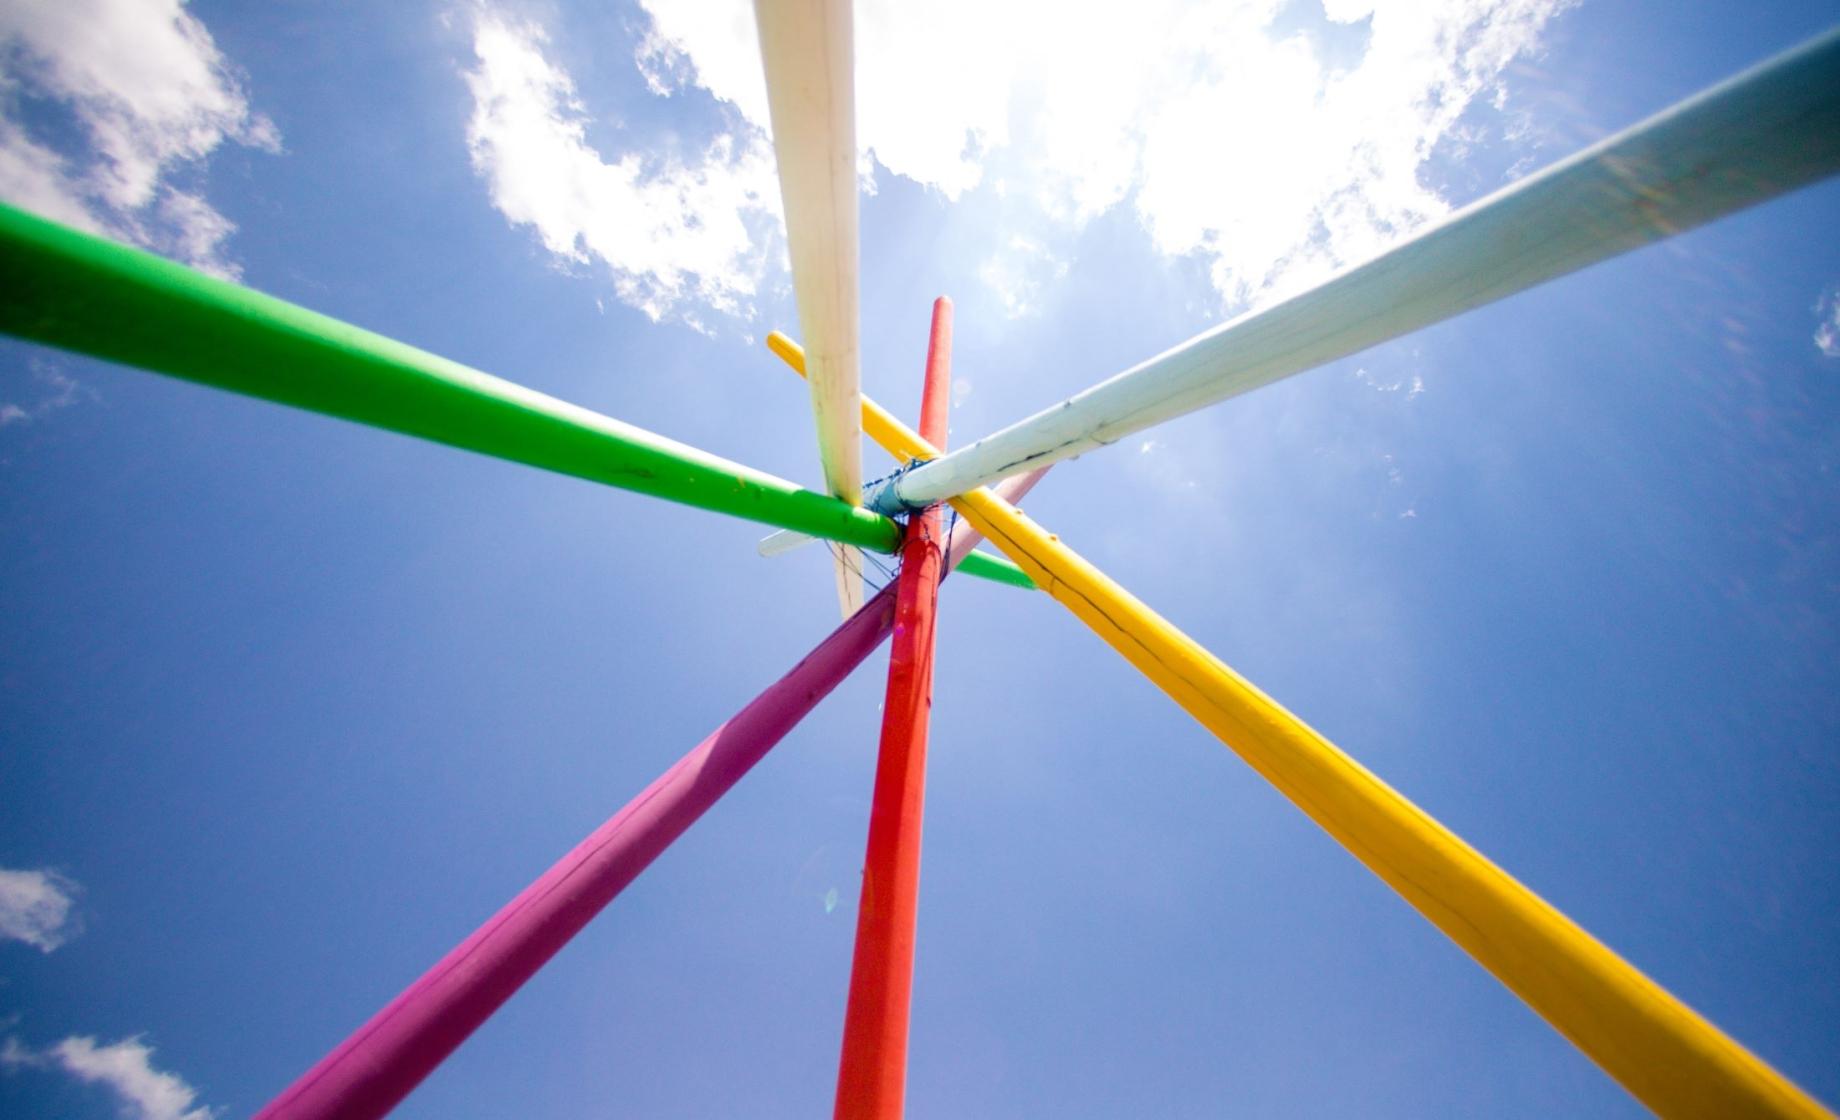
(712, 45)
(676, 235)
(126, 1067)
(1348, 11)
(1231, 142)
(1412, 387)
(1019, 271)
(152, 96)
(36, 906)
(36, 178)
(1827, 330)
(57, 390)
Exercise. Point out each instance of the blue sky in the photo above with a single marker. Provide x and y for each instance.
(288, 706)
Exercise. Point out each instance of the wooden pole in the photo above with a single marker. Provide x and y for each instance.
(1662, 1051)
(73, 290)
(371, 1071)
(807, 50)
(65, 288)
(873, 1075)
(1763, 133)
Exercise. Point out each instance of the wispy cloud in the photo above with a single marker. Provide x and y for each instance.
(1019, 271)
(56, 390)
(1827, 327)
(126, 1067)
(678, 236)
(1236, 133)
(1412, 386)
(1391, 497)
(152, 97)
(38, 908)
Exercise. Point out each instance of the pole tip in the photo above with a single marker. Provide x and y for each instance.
(788, 351)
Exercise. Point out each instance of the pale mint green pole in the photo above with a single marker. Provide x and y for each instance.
(1767, 131)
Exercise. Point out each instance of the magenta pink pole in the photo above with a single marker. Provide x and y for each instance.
(374, 1069)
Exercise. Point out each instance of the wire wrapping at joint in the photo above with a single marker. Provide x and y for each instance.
(882, 489)
(882, 495)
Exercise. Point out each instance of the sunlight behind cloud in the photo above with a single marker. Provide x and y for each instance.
(1018, 271)
(1246, 146)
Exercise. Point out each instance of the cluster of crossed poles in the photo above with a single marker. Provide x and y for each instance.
(1765, 132)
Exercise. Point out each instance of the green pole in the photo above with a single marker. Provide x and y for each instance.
(995, 569)
(84, 293)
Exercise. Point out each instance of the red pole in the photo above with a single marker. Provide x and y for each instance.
(873, 1075)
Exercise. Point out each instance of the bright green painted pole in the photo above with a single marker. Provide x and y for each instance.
(994, 568)
(83, 293)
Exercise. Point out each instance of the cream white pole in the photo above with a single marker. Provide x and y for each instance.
(806, 48)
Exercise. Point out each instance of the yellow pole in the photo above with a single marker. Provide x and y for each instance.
(1657, 1047)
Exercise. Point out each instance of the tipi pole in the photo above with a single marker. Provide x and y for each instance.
(807, 51)
(402, 1044)
(375, 1068)
(1659, 1049)
(872, 1076)
(1760, 134)
(85, 293)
